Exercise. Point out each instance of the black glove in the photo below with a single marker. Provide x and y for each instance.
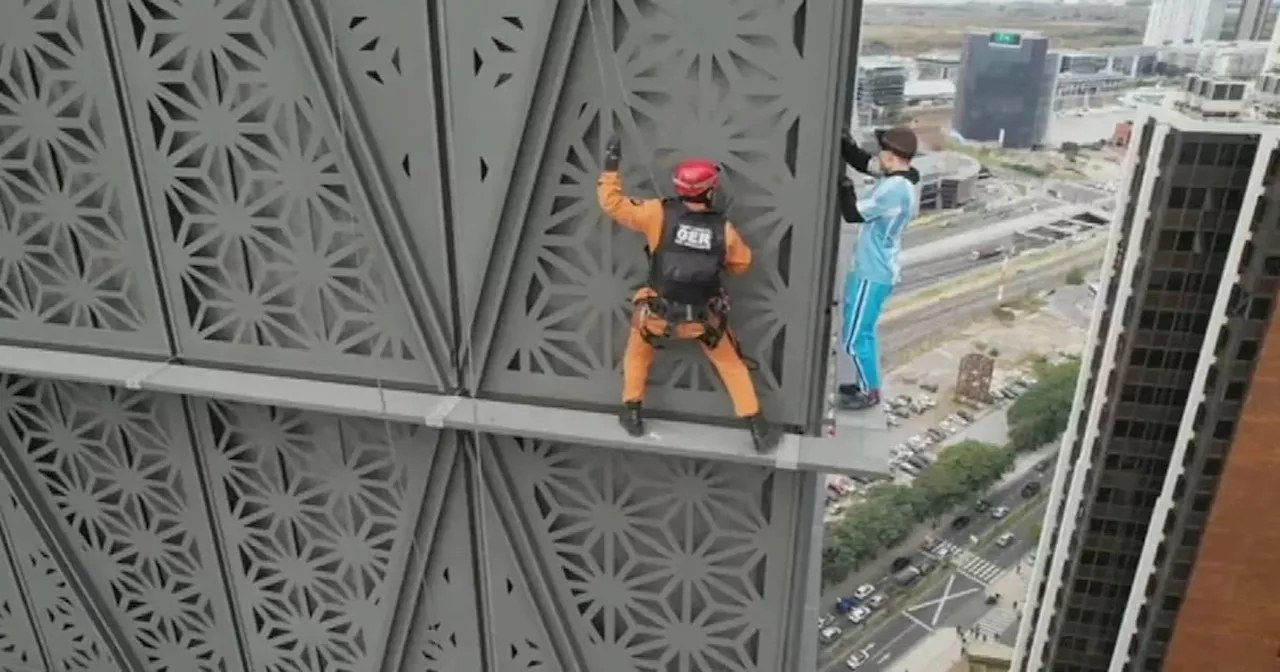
(847, 198)
(612, 155)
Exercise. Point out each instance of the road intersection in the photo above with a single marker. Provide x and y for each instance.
(957, 599)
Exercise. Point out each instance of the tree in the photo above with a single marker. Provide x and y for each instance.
(882, 521)
(1041, 415)
(960, 472)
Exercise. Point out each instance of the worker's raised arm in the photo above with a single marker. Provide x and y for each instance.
(737, 256)
(858, 158)
(644, 216)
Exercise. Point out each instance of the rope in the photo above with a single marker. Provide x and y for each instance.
(617, 71)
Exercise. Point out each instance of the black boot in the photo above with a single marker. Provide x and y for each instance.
(631, 417)
(849, 389)
(859, 401)
(763, 435)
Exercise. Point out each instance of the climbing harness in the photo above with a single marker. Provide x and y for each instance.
(714, 317)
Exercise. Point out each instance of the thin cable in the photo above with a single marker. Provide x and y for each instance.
(622, 82)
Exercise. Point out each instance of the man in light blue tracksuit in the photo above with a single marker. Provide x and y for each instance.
(882, 216)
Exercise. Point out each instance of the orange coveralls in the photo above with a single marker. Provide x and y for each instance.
(645, 216)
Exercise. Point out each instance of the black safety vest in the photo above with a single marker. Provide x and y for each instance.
(686, 267)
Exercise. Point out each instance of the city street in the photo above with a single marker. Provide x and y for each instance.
(958, 600)
(991, 428)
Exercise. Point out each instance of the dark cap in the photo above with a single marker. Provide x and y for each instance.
(900, 140)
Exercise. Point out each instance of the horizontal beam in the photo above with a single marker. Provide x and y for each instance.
(858, 448)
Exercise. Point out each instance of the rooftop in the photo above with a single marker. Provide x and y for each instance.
(929, 88)
(946, 164)
(943, 56)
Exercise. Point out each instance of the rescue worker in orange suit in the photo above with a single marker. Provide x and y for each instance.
(689, 244)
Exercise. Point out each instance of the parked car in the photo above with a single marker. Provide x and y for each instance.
(864, 591)
(926, 566)
(876, 601)
(859, 615)
(965, 415)
(981, 506)
(999, 512)
(929, 387)
(826, 621)
(1031, 489)
(961, 522)
(829, 634)
(1004, 539)
(1044, 465)
(899, 563)
(856, 660)
(907, 576)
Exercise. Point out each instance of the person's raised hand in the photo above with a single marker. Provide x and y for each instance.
(612, 154)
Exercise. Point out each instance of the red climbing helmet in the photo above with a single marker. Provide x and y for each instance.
(695, 177)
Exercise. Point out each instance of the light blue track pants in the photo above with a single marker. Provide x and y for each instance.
(863, 301)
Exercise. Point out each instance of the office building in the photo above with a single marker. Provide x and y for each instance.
(880, 85)
(1154, 556)
(1252, 20)
(1004, 92)
(1171, 22)
(938, 65)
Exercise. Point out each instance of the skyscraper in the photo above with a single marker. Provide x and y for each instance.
(1184, 21)
(1157, 552)
(1004, 91)
(1251, 20)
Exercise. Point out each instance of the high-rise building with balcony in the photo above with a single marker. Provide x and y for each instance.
(1157, 551)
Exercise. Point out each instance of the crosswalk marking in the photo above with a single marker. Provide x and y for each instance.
(974, 566)
(996, 621)
(980, 568)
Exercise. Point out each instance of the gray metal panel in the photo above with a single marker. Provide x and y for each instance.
(314, 511)
(494, 51)
(116, 468)
(272, 255)
(74, 264)
(377, 73)
(642, 550)
(354, 545)
(35, 601)
(721, 79)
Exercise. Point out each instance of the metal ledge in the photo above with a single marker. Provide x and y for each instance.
(860, 446)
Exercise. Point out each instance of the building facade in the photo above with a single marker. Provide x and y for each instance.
(1184, 21)
(1251, 22)
(880, 89)
(1004, 92)
(285, 290)
(1173, 391)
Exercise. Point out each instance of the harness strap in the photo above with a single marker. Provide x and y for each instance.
(713, 318)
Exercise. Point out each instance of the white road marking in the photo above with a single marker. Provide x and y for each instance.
(942, 601)
(917, 621)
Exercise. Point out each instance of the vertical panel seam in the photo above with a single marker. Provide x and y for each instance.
(220, 549)
(21, 585)
(137, 171)
(552, 74)
(498, 479)
(48, 527)
(427, 526)
(335, 98)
